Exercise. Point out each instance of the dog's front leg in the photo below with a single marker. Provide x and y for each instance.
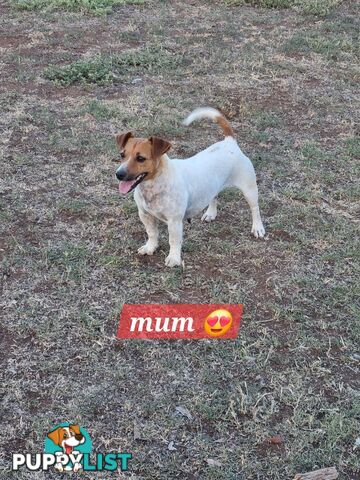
(175, 228)
(59, 467)
(77, 467)
(152, 230)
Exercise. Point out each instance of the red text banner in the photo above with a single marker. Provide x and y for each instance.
(176, 321)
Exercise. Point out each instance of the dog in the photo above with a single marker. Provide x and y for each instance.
(171, 190)
(67, 438)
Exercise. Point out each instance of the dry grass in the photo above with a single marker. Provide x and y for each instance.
(94, 7)
(311, 7)
(68, 242)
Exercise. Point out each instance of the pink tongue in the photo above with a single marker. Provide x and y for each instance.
(124, 187)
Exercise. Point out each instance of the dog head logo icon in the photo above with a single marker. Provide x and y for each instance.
(69, 442)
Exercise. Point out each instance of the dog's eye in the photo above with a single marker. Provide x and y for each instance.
(66, 435)
(140, 159)
(122, 154)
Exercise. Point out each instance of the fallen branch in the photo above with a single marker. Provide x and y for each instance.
(322, 474)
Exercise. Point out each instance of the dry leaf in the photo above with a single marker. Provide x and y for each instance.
(137, 433)
(184, 412)
(171, 446)
(275, 440)
(213, 463)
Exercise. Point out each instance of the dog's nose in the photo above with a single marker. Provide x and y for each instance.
(120, 174)
(79, 436)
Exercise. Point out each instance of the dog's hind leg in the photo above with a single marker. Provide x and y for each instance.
(251, 196)
(246, 182)
(211, 211)
(152, 230)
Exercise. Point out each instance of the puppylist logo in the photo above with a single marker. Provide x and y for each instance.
(67, 448)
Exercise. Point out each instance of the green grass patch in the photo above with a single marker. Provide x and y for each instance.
(267, 120)
(312, 154)
(70, 259)
(96, 7)
(313, 7)
(106, 69)
(261, 3)
(352, 146)
(100, 110)
(330, 46)
(5, 213)
(317, 7)
(73, 206)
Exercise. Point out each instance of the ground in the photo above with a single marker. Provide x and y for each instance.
(287, 80)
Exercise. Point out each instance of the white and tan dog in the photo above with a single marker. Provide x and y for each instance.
(171, 190)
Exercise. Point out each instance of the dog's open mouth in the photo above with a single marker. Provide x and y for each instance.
(126, 186)
(68, 449)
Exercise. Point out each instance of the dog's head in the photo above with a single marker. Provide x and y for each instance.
(141, 159)
(67, 437)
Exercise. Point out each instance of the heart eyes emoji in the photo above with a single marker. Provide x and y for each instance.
(218, 323)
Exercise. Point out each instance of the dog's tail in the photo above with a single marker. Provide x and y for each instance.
(213, 114)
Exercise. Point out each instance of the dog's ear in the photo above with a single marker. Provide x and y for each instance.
(122, 138)
(75, 429)
(159, 146)
(55, 436)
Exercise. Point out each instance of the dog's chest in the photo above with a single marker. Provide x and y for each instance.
(153, 201)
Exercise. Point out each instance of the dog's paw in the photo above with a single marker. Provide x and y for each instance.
(258, 230)
(147, 249)
(173, 261)
(208, 217)
(77, 467)
(59, 467)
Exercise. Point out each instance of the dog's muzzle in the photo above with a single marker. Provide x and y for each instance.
(128, 182)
